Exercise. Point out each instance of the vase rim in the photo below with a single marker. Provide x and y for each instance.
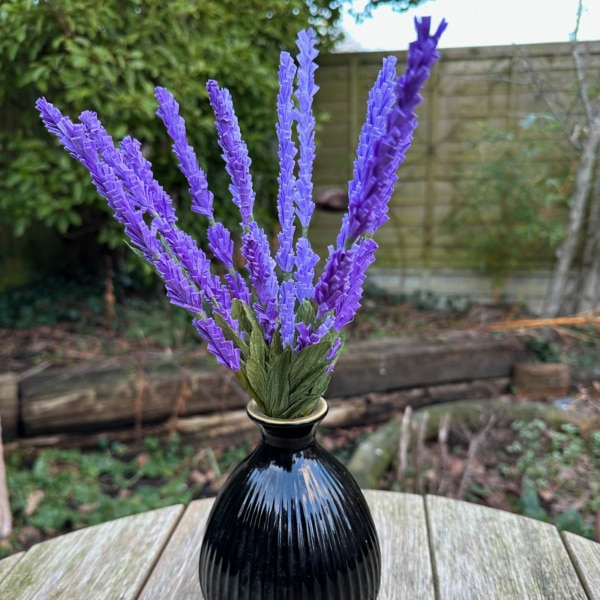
(317, 414)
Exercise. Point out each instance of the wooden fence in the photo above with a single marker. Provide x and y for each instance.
(468, 89)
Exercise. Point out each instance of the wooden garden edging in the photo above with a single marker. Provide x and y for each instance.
(91, 399)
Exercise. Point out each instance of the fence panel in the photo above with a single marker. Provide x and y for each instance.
(469, 88)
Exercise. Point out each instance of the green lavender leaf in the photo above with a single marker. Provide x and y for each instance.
(306, 313)
(307, 385)
(309, 358)
(276, 347)
(243, 379)
(238, 312)
(258, 346)
(250, 317)
(277, 387)
(255, 372)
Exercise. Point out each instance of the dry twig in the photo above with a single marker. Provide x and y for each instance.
(5, 514)
(583, 320)
(474, 445)
(403, 445)
(142, 385)
(183, 394)
(421, 437)
(444, 454)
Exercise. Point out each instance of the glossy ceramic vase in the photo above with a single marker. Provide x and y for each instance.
(290, 523)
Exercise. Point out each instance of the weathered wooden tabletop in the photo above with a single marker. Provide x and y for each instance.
(432, 548)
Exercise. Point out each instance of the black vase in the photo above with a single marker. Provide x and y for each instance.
(290, 523)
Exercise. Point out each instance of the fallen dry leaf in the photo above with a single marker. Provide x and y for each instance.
(33, 501)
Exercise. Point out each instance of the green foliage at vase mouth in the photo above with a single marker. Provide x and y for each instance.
(285, 384)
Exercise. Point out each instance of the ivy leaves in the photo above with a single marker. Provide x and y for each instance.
(285, 384)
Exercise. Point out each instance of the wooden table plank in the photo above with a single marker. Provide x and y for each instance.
(109, 561)
(480, 552)
(175, 576)
(585, 555)
(7, 564)
(402, 527)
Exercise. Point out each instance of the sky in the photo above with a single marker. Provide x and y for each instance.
(476, 23)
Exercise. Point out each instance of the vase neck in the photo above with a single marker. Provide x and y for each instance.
(288, 433)
(280, 437)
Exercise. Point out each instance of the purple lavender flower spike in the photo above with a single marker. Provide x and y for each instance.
(381, 101)
(76, 139)
(334, 281)
(305, 91)
(349, 304)
(235, 152)
(129, 165)
(306, 260)
(287, 152)
(302, 312)
(71, 136)
(158, 201)
(180, 290)
(224, 351)
(261, 268)
(238, 287)
(402, 121)
(287, 314)
(308, 337)
(135, 172)
(168, 111)
(221, 244)
(377, 175)
(332, 356)
(377, 163)
(196, 263)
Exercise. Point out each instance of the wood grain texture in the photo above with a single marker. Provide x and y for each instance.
(480, 552)
(406, 567)
(7, 564)
(110, 561)
(175, 576)
(477, 552)
(585, 555)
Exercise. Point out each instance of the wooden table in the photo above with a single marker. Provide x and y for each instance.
(432, 547)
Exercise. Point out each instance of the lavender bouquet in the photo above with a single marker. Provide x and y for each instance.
(275, 327)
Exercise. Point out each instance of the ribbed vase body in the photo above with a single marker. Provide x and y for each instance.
(290, 524)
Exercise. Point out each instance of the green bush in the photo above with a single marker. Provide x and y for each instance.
(108, 59)
(510, 210)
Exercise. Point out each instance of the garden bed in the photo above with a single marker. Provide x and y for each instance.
(527, 468)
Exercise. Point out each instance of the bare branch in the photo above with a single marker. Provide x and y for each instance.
(404, 445)
(548, 95)
(474, 445)
(582, 86)
(5, 513)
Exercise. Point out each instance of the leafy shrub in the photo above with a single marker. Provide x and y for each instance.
(511, 203)
(560, 474)
(109, 59)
